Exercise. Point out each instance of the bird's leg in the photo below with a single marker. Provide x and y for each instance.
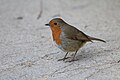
(73, 59)
(64, 57)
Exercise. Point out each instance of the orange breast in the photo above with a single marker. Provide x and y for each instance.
(56, 34)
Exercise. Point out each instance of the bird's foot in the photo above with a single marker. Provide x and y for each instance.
(63, 59)
(72, 60)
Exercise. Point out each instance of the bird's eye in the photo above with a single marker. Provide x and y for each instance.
(55, 23)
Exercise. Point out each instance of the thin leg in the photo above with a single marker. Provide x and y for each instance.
(73, 59)
(64, 57)
(75, 54)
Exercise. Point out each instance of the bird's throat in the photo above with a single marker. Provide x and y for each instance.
(56, 34)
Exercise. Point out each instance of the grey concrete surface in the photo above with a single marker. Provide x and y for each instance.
(27, 51)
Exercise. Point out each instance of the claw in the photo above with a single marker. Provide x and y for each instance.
(63, 59)
(73, 60)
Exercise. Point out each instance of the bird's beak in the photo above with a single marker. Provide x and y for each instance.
(47, 25)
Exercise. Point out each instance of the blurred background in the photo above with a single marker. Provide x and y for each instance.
(27, 51)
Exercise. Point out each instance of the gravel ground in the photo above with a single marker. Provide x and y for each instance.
(27, 51)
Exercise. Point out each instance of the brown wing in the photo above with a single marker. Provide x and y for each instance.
(82, 36)
(75, 34)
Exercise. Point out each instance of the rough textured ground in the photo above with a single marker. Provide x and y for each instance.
(28, 53)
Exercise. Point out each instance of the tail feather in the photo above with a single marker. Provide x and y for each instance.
(92, 38)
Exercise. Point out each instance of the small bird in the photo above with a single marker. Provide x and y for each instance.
(67, 37)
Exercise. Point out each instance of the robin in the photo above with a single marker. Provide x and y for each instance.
(67, 37)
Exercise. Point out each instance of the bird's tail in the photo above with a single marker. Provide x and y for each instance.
(92, 38)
